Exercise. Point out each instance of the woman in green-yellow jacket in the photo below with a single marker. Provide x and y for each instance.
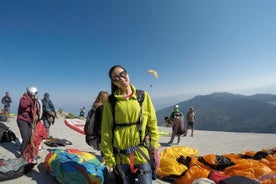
(121, 143)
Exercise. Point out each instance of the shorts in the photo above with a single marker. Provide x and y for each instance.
(190, 125)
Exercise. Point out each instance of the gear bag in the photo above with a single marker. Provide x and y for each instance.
(91, 139)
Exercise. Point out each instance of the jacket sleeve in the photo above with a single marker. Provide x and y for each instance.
(151, 120)
(107, 135)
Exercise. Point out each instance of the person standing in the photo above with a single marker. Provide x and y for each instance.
(82, 112)
(122, 132)
(176, 119)
(6, 101)
(27, 115)
(94, 119)
(93, 122)
(49, 112)
(190, 118)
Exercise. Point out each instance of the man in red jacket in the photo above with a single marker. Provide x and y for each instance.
(27, 116)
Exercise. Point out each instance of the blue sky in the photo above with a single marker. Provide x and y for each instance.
(66, 47)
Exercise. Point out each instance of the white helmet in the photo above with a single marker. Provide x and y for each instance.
(32, 90)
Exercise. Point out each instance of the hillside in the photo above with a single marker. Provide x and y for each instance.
(230, 112)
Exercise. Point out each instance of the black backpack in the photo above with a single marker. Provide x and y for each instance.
(90, 139)
(6, 135)
(3, 117)
(140, 97)
(93, 126)
(89, 123)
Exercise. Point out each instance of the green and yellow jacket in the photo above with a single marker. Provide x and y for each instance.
(123, 137)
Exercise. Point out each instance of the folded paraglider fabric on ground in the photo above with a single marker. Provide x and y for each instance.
(75, 166)
(182, 165)
(14, 168)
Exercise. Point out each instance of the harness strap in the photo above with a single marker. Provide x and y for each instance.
(130, 151)
(126, 151)
(131, 164)
(126, 124)
(140, 123)
(143, 154)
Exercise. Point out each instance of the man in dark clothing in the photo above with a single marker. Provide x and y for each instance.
(49, 112)
(176, 119)
(82, 112)
(6, 100)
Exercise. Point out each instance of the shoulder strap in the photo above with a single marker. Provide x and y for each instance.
(140, 97)
(112, 100)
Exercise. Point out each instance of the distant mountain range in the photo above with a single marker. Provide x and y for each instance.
(230, 112)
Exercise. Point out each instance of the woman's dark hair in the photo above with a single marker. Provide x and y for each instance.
(113, 86)
(102, 96)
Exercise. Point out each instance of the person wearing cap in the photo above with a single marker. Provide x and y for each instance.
(27, 115)
(6, 101)
(49, 112)
(190, 119)
(176, 119)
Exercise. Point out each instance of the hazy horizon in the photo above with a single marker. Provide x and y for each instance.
(162, 102)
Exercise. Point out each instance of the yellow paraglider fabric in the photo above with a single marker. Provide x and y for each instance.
(154, 72)
(168, 163)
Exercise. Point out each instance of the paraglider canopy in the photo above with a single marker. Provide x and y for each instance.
(154, 73)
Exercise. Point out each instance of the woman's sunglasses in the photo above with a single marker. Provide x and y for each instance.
(116, 78)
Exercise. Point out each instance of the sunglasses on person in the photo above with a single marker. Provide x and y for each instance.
(116, 78)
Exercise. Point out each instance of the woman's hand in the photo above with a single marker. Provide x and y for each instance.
(110, 169)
